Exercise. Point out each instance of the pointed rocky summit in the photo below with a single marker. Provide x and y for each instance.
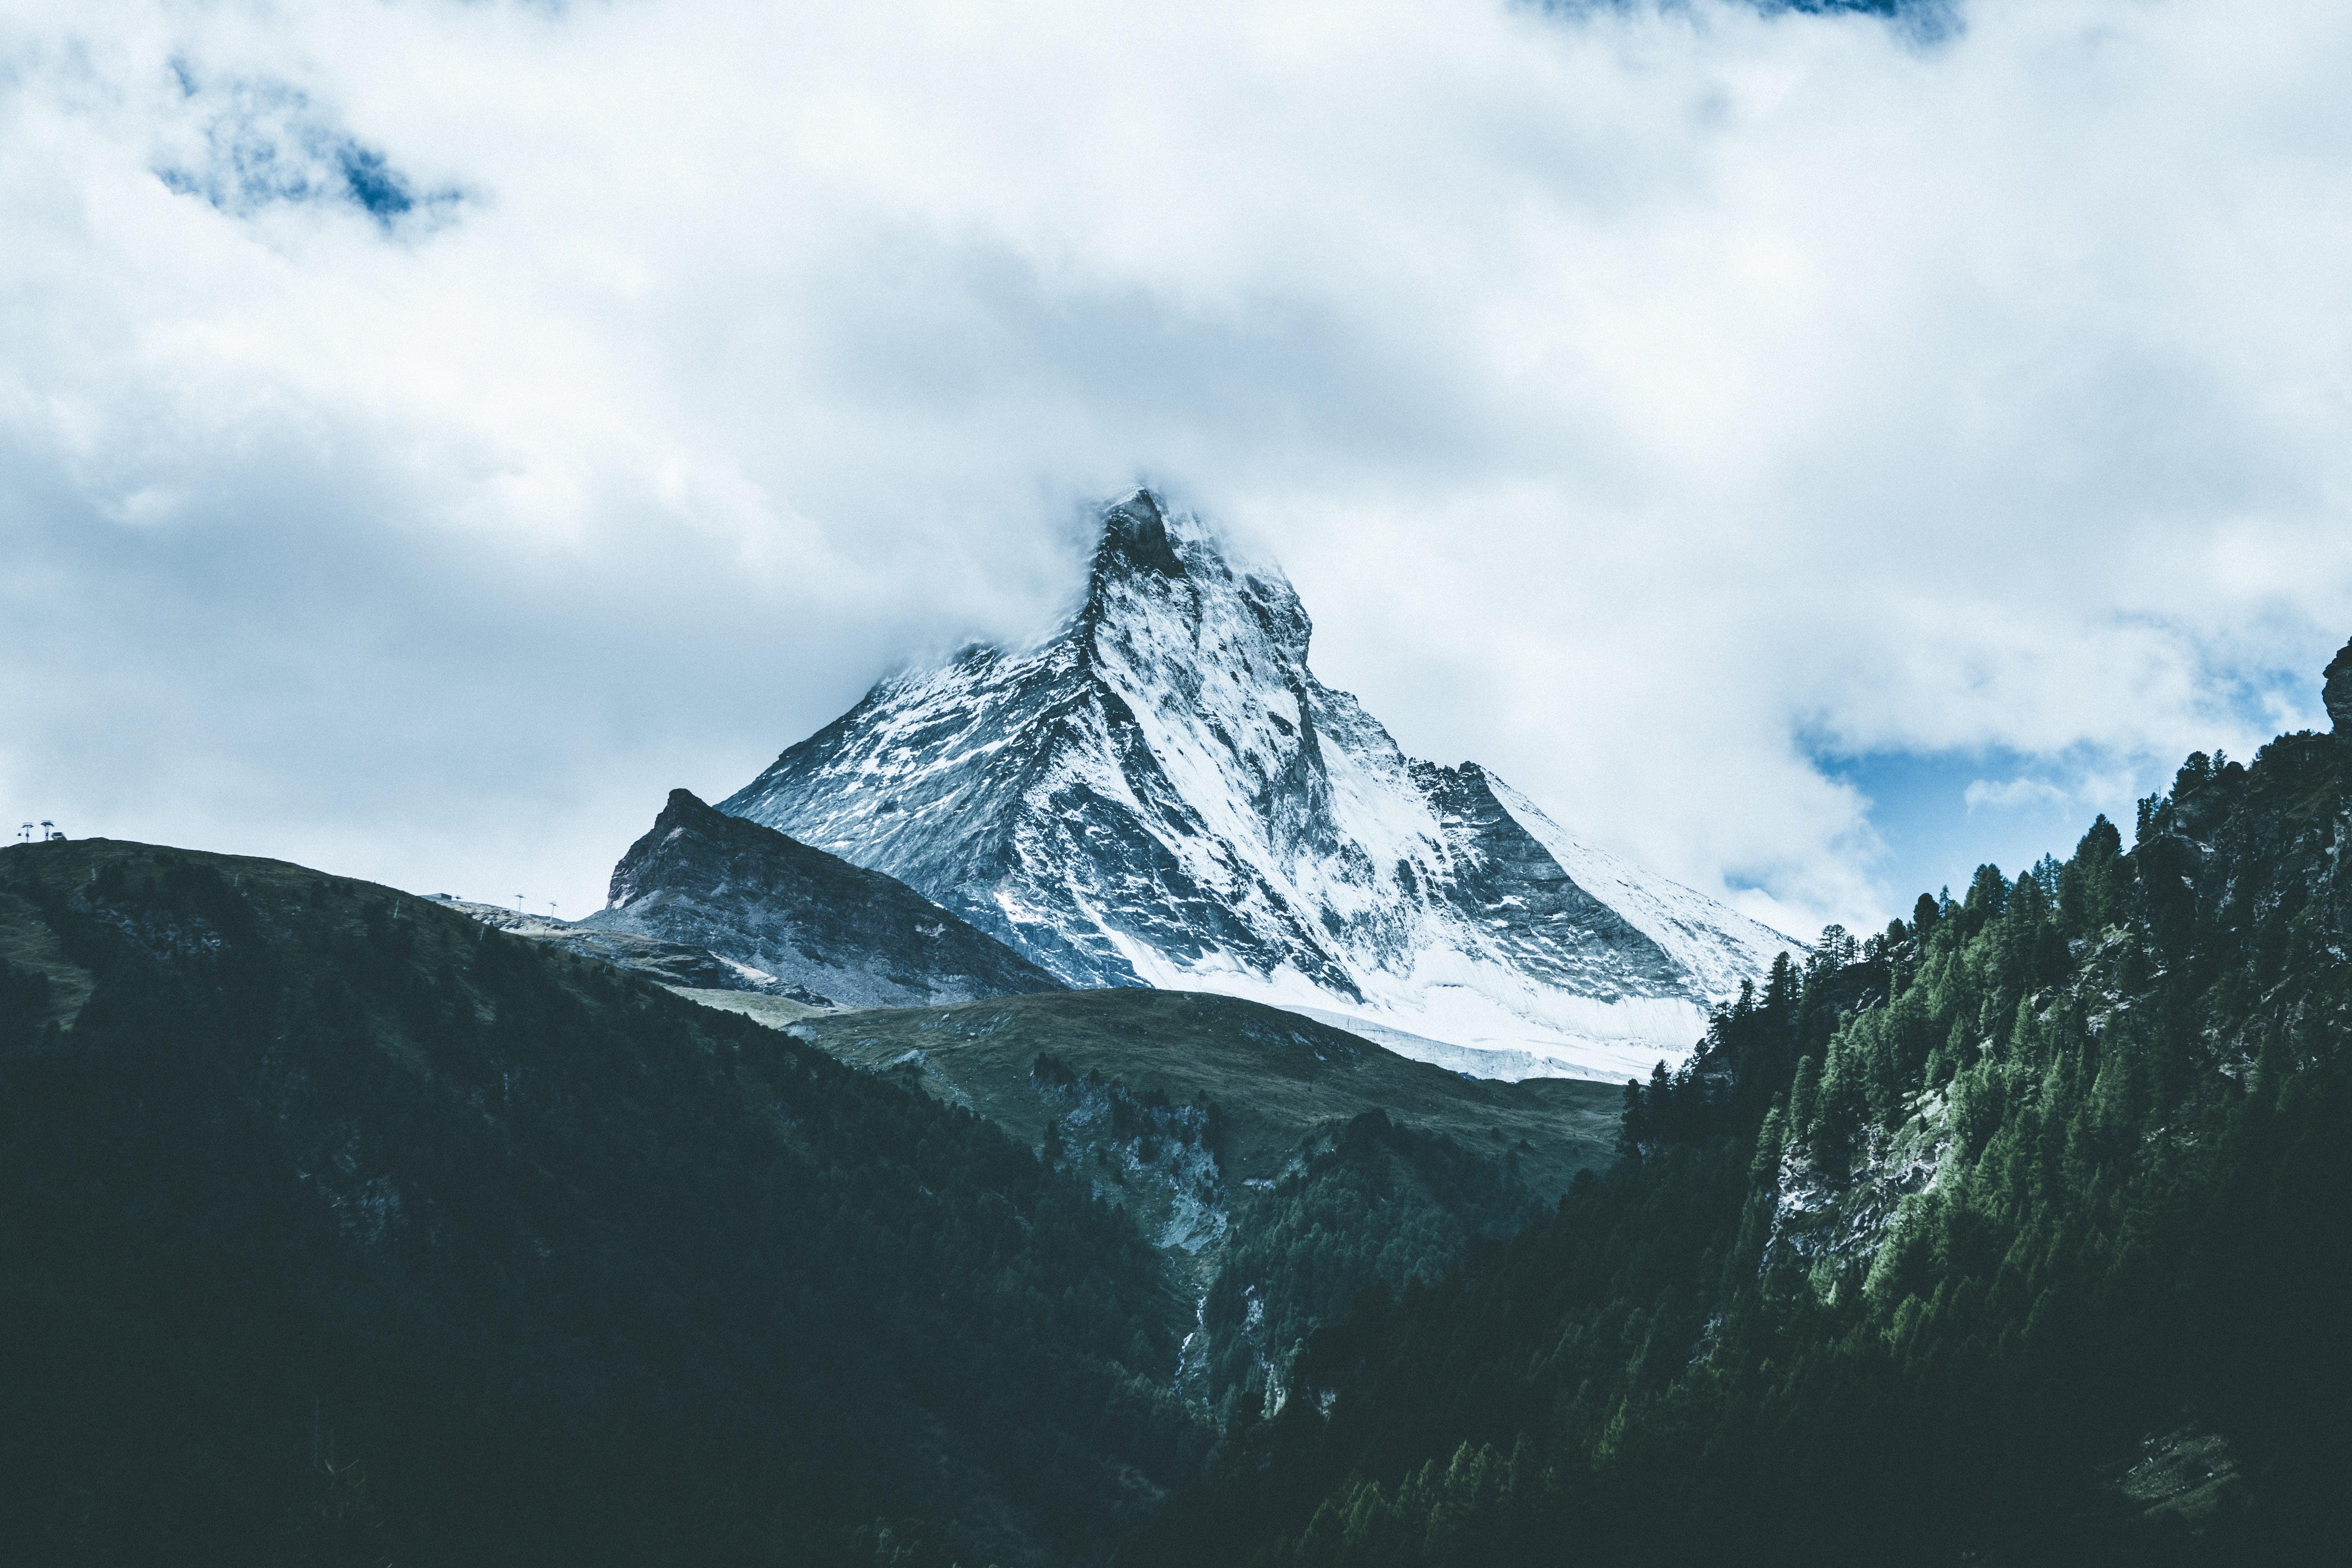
(1163, 794)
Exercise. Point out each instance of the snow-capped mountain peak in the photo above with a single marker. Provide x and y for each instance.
(1163, 794)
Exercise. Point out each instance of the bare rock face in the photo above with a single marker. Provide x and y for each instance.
(676, 964)
(2338, 693)
(799, 920)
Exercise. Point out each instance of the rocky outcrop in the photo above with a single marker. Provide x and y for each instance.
(672, 964)
(2268, 840)
(798, 920)
(2336, 692)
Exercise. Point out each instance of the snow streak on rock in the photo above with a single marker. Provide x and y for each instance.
(795, 922)
(1163, 793)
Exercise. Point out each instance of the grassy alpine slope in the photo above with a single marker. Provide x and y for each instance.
(1275, 1075)
(1281, 1166)
(2015, 1235)
(339, 1229)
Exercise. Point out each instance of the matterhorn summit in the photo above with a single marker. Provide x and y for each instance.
(1163, 793)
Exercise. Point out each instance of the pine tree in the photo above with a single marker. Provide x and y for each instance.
(1802, 1095)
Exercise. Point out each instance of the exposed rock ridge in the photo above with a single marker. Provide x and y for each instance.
(2336, 690)
(807, 920)
(671, 963)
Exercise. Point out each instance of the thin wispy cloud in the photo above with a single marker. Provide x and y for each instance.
(2013, 794)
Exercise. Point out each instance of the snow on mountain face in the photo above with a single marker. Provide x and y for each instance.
(1163, 793)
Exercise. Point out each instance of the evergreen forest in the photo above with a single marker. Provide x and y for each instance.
(2016, 1233)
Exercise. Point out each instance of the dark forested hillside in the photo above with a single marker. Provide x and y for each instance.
(337, 1228)
(1373, 1204)
(1281, 1164)
(2016, 1233)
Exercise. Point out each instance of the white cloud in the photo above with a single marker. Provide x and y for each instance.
(1640, 399)
(2015, 794)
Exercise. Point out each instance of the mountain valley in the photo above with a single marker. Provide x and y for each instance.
(401, 1153)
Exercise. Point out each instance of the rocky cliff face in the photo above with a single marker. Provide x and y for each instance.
(1163, 794)
(2336, 692)
(798, 921)
(671, 963)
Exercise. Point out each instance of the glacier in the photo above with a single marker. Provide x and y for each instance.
(1163, 793)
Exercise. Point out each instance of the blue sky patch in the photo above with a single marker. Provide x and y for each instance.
(261, 143)
(1940, 814)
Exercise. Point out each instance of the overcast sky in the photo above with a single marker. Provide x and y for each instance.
(1808, 454)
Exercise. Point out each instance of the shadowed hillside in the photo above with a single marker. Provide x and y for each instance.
(342, 1229)
(1281, 1166)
